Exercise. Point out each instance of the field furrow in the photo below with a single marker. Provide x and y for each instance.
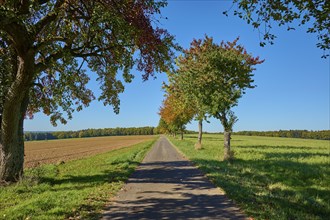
(55, 151)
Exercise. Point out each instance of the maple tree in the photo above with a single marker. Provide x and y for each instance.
(45, 48)
(215, 76)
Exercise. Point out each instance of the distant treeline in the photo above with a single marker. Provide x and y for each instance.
(321, 135)
(32, 136)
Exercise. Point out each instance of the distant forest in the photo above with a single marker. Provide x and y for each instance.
(32, 136)
(321, 135)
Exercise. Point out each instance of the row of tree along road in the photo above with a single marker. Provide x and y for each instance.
(208, 82)
(45, 47)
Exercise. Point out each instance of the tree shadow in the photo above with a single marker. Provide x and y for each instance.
(109, 175)
(171, 190)
(294, 155)
(267, 147)
(189, 207)
(274, 188)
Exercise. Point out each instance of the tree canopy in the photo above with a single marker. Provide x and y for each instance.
(214, 77)
(217, 74)
(175, 113)
(263, 14)
(46, 47)
(66, 36)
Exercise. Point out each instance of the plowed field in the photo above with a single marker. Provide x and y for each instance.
(55, 151)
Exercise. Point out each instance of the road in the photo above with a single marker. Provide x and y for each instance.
(167, 186)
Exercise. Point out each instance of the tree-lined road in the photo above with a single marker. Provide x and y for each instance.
(167, 186)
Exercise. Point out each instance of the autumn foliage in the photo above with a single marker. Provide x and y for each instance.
(175, 113)
(210, 79)
(46, 47)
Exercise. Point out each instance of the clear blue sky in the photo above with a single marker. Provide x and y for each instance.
(292, 84)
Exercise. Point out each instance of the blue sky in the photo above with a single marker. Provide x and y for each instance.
(292, 84)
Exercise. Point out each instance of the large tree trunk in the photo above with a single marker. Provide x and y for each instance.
(198, 146)
(227, 153)
(11, 134)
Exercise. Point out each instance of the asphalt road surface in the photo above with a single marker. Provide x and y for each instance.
(167, 186)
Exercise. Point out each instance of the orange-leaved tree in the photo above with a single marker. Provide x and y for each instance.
(175, 113)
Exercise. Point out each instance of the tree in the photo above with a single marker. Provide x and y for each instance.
(179, 83)
(186, 83)
(261, 14)
(219, 76)
(175, 113)
(162, 127)
(45, 46)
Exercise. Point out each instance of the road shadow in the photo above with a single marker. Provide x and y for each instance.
(190, 207)
(177, 191)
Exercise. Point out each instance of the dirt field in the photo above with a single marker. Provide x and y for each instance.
(55, 151)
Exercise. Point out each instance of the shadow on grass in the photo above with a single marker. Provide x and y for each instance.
(120, 172)
(274, 189)
(82, 181)
(265, 147)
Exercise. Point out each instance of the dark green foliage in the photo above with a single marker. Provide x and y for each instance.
(321, 135)
(32, 136)
(263, 15)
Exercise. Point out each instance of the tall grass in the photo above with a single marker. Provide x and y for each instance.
(76, 189)
(270, 178)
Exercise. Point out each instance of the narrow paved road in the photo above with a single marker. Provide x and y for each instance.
(167, 186)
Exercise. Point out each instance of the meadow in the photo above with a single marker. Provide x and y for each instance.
(76, 189)
(270, 178)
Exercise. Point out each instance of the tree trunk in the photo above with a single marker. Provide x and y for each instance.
(198, 146)
(11, 134)
(227, 153)
(181, 135)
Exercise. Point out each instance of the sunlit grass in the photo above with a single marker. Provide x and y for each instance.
(270, 178)
(76, 189)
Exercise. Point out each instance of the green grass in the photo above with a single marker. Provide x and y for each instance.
(270, 178)
(77, 188)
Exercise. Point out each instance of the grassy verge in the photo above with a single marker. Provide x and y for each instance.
(77, 189)
(270, 178)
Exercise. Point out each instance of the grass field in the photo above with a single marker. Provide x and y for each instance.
(270, 178)
(55, 151)
(77, 189)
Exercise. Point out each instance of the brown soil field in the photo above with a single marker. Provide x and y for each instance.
(56, 151)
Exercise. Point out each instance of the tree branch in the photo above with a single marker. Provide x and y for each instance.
(44, 43)
(51, 16)
(17, 33)
(23, 7)
(43, 65)
(39, 85)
